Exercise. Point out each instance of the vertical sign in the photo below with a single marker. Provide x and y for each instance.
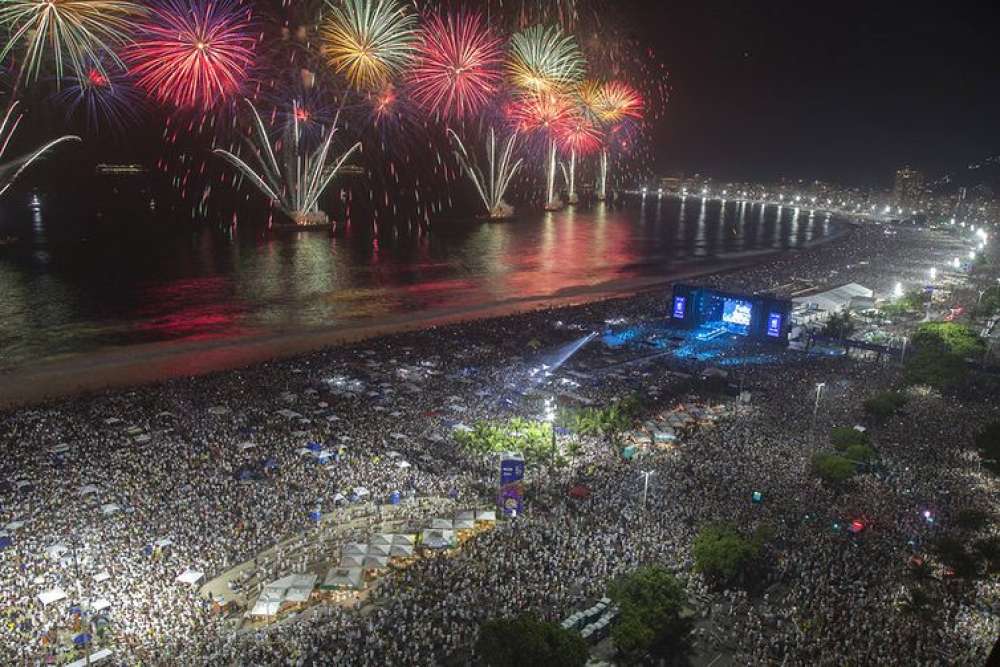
(774, 325)
(680, 307)
(511, 496)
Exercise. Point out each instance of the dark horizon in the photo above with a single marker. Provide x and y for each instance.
(845, 92)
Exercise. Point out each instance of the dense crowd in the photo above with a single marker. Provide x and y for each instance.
(206, 473)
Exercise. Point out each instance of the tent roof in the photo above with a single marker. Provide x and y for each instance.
(189, 576)
(341, 577)
(52, 595)
(835, 299)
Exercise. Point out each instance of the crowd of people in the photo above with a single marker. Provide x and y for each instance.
(111, 497)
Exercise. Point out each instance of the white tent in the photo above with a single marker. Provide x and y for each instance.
(294, 588)
(438, 539)
(246, 445)
(404, 539)
(339, 577)
(382, 538)
(465, 515)
(88, 489)
(351, 562)
(95, 658)
(834, 300)
(486, 515)
(378, 549)
(361, 491)
(100, 604)
(301, 587)
(14, 525)
(101, 576)
(55, 551)
(163, 542)
(375, 562)
(402, 464)
(465, 524)
(110, 508)
(189, 576)
(51, 595)
(400, 551)
(441, 524)
(354, 548)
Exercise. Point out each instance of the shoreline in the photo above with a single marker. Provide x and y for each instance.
(89, 373)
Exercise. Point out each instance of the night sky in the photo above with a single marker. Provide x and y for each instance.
(845, 91)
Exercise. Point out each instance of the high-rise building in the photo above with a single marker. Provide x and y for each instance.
(909, 188)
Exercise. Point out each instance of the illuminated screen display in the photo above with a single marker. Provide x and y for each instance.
(680, 307)
(774, 325)
(736, 312)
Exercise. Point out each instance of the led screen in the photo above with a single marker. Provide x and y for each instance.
(774, 325)
(736, 312)
(680, 307)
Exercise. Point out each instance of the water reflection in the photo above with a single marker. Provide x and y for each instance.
(149, 286)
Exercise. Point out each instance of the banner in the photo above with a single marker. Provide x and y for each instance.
(511, 496)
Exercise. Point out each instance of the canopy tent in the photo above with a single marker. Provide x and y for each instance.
(343, 577)
(402, 465)
(400, 551)
(486, 515)
(404, 539)
(351, 562)
(378, 550)
(375, 562)
(95, 658)
(51, 595)
(14, 525)
(55, 551)
(88, 489)
(441, 524)
(293, 589)
(437, 539)
(100, 604)
(354, 548)
(110, 508)
(189, 576)
(465, 515)
(834, 300)
(464, 524)
(381, 538)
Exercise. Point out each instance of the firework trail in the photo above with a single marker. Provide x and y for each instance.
(501, 169)
(297, 182)
(12, 170)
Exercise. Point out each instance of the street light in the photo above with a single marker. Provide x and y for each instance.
(819, 392)
(645, 485)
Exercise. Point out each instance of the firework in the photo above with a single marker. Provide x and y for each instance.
(368, 41)
(501, 169)
(545, 115)
(12, 170)
(297, 182)
(579, 136)
(458, 65)
(617, 101)
(77, 32)
(193, 53)
(544, 59)
(104, 101)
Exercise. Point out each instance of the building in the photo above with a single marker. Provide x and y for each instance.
(909, 187)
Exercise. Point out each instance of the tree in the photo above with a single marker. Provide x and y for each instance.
(842, 437)
(940, 351)
(885, 404)
(525, 640)
(723, 554)
(832, 468)
(918, 603)
(651, 604)
(859, 454)
(839, 325)
(988, 444)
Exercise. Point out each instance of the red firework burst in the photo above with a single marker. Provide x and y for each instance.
(193, 53)
(578, 134)
(458, 66)
(542, 112)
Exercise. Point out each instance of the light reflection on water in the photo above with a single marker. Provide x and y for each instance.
(79, 296)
